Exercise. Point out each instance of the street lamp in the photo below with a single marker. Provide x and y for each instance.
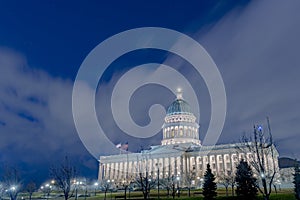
(12, 191)
(112, 182)
(13, 188)
(158, 165)
(201, 181)
(47, 189)
(178, 188)
(76, 188)
(96, 186)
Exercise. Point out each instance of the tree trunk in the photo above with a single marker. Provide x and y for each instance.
(266, 197)
(125, 192)
(173, 191)
(145, 195)
(226, 188)
(275, 188)
(13, 197)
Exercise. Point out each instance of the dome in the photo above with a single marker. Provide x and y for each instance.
(179, 106)
(180, 124)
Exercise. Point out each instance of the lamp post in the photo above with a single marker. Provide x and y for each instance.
(96, 186)
(178, 188)
(48, 189)
(13, 192)
(112, 182)
(158, 165)
(201, 182)
(76, 190)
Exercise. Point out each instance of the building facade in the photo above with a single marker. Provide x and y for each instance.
(180, 154)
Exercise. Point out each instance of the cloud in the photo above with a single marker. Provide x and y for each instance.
(36, 121)
(256, 49)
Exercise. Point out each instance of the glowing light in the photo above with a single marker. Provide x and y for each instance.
(259, 128)
(179, 93)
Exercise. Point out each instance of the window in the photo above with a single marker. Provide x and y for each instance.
(242, 157)
(200, 166)
(227, 165)
(212, 158)
(180, 132)
(221, 167)
(234, 158)
(199, 159)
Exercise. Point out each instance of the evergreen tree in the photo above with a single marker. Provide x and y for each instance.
(209, 185)
(246, 183)
(297, 182)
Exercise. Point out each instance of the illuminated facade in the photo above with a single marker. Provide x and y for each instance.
(180, 154)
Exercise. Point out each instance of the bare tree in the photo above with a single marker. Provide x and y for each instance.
(127, 183)
(145, 182)
(12, 182)
(30, 188)
(263, 157)
(144, 179)
(170, 184)
(231, 178)
(189, 177)
(63, 175)
(106, 185)
(2, 190)
(225, 180)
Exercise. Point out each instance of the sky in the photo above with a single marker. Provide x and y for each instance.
(255, 45)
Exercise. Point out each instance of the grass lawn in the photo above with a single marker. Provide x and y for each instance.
(286, 194)
(283, 194)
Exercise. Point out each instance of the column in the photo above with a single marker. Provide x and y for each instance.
(172, 165)
(196, 163)
(112, 170)
(108, 170)
(100, 173)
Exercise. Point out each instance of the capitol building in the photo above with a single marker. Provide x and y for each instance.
(180, 154)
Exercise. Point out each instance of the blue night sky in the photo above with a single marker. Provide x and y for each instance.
(255, 45)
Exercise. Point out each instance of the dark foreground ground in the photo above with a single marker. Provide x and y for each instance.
(283, 194)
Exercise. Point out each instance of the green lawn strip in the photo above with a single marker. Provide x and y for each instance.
(282, 194)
